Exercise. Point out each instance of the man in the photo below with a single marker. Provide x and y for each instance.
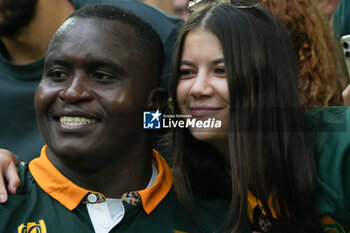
(26, 27)
(98, 172)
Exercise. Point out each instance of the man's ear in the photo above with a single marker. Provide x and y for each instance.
(158, 99)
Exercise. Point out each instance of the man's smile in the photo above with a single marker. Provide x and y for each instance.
(70, 121)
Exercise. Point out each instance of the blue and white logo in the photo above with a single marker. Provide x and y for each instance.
(151, 120)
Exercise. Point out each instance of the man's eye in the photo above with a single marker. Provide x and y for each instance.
(57, 74)
(102, 76)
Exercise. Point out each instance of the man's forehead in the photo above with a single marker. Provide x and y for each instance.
(113, 28)
(93, 32)
(84, 41)
(68, 24)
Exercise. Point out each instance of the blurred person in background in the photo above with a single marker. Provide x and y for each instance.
(321, 79)
(341, 27)
(329, 7)
(341, 23)
(181, 10)
(174, 7)
(164, 5)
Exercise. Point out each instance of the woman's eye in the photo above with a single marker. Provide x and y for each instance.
(186, 73)
(220, 71)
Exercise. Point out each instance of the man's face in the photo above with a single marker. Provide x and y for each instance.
(15, 15)
(94, 88)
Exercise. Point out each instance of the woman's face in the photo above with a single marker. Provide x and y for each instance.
(202, 89)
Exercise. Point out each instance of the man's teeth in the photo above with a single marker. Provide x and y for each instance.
(74, 121)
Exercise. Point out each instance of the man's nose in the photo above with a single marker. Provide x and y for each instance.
(77, 89)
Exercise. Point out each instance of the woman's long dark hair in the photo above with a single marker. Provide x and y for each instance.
(269, 149)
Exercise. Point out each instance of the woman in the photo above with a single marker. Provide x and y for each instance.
(236, 64)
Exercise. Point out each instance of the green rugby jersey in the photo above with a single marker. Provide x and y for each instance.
(331, 140)
(47, 202)
(330, 131)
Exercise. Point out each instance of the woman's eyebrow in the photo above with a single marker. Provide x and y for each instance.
(186, 62)
(217, 61)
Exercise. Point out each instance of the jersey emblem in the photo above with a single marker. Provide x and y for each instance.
(33, 227)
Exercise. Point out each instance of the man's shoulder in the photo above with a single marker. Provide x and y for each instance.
(16, 205)
(33, 208)
(29, 190)
(25, 177)
(27, 181)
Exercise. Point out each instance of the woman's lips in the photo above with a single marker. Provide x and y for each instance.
(198, 112)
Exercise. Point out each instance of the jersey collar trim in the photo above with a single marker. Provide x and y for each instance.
(70, 195)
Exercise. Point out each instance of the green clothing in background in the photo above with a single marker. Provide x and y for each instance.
(331, 139)
(18, 128)
(341, 23)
